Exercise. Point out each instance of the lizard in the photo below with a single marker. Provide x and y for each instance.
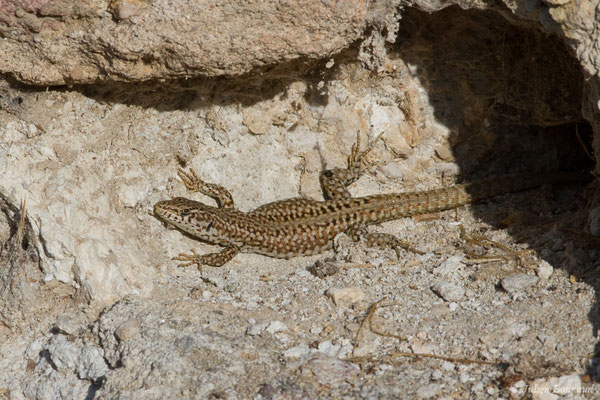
(302, 226)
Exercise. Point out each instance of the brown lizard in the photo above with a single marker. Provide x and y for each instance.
(300, 226)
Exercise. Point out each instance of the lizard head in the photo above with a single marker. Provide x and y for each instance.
(187, 215)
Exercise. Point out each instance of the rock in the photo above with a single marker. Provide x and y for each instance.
(124, 9)
(448, 291)
(63, 353)
(594, 221)
(566, 385)
(450, 267)
(276, 327)
(144, 40)
(329, 369)
(256, 329)
(68, 324)
(518, 282)
(545, 270)
(429, 391)
(328, 348)
(128, 329)
(365, 349)
(541, 389)
(346, 296)
(90, 364)
(297, 352)
(323, 269)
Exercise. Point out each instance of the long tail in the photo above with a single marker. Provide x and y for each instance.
(391, 206)
(496, 186)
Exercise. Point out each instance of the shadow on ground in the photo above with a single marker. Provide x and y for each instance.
(512, 96)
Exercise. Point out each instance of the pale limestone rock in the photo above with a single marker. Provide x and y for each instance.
(345, 296)
(519, 282)
(128, 329)
(544, 270)
(448, 291)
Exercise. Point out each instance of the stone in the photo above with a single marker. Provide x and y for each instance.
(276, 327)
(297, 352)
(346, 295)
(448, 291)
(256, 328)
(429, 391)
(90, 364)
(518, 282)
(544, 270)
(450, 267)
(128, 329)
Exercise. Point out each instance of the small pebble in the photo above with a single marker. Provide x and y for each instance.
(448, 366)
(519, 388)
(518, 282)
(544, 270)
(328, 370)
(256, 329)
(323, 269)
(541, 389)
(347, 295)
(566, 385)
(276, 326)
(126, 8)
(429, 391)
(365, 349)
(67, 325)
(328, 348)
(449, 267)
(477, 388)
(594, 219)
(316, 329)
(448, 291)
(128, 329)
(296, 351)
(91, 364)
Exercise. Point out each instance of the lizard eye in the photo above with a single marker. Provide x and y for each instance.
(185, 212)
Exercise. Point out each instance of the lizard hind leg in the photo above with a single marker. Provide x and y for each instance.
(382, 240)
(335, 181)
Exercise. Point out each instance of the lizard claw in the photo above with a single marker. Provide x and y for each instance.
(191, 180)
(356, 157)
(189, 260)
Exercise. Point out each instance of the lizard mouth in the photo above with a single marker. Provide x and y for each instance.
(159, 209)
(164, 213)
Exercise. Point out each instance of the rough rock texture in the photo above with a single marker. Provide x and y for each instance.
(64, 42)
(91, 304)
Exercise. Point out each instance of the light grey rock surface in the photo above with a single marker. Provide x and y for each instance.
(266, 94)
(518, 282)
(448, 291)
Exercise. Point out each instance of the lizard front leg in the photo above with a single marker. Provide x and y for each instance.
(212, 259)
(193, 183)
(334, 182)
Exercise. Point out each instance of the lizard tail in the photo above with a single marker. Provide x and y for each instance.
(484, 189)
(391, 206)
